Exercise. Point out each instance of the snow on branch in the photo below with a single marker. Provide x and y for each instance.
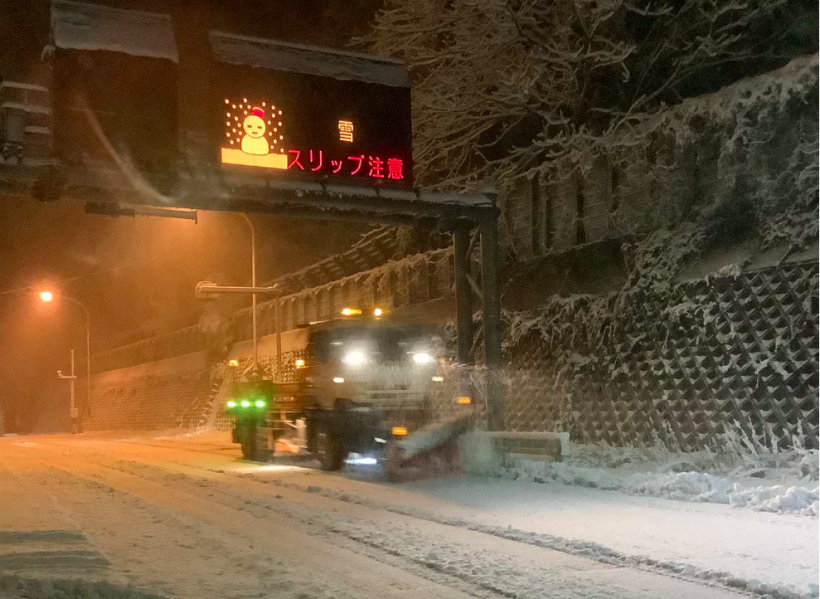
(504, 87)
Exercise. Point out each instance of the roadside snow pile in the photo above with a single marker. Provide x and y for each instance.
(190, 434)
(777, 499)
(679, 479)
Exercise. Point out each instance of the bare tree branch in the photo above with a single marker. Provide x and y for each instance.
(501, 87)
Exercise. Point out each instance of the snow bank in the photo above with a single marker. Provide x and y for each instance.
(802, 497)
(777, 499)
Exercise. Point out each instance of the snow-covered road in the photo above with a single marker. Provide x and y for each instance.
(185, 517)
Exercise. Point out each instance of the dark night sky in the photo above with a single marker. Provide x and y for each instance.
(139, 273)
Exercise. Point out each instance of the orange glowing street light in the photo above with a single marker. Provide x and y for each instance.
(46, 296)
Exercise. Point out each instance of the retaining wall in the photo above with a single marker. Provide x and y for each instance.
(164, 394)
(682, 365)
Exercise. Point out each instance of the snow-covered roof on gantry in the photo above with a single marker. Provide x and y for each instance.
(312, 60)
(82, 26)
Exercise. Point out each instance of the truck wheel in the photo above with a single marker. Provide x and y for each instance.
(249, 450)
(255, 446)
(393, 459)
(330, 451)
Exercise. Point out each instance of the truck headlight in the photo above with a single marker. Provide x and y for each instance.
(422, 358)
(355, 358)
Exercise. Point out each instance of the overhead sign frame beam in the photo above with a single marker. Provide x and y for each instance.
(289, 199)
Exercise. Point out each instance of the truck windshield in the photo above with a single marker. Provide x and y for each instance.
(371, 344)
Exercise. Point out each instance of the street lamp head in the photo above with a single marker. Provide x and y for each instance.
(46, 296)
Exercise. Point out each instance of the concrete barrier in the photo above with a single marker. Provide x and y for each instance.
(481, 451)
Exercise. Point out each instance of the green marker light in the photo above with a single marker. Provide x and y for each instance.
(259, 403)
(231, 404)
(245, 403)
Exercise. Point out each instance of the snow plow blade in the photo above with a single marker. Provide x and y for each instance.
(434, 440)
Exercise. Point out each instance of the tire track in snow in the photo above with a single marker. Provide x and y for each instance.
(340, 572)
(588, 549)
(58, 546)
(165, 550)
(462, 563)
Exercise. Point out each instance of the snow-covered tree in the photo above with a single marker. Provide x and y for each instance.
(501, 87)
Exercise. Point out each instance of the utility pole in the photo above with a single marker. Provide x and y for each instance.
(71, 378)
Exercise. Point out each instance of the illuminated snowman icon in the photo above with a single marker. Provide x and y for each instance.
(254, 142)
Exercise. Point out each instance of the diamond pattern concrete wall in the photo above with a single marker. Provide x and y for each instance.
(680, 366)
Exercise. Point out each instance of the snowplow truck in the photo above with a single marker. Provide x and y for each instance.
(363, 393)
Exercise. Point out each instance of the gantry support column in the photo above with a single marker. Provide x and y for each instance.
(491, 309)
(464, 300)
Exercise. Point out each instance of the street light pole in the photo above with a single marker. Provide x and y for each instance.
(208, 290)
(72, 377)
(253, 284)
(47, 296)
(87, 357)
(73, 412)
